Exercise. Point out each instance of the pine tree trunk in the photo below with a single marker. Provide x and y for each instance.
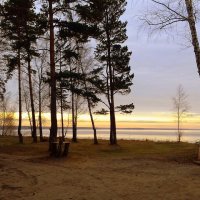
(113, 134)
(74, 128)
(76, 115)
(61, 100)
(40, 107)
(113, 140)
(34, 133)
(92, 121)
(62, 118)
(40, 117)
(53, 130)
(90, 112)
(193, 30)
(20, 99)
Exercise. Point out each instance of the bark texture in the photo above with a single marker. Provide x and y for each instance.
(53, 129)
(193, 30)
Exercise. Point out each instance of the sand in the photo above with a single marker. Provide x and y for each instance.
(102, 176)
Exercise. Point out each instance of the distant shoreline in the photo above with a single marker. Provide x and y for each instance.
(100, 128)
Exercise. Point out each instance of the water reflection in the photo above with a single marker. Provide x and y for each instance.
(132, 134)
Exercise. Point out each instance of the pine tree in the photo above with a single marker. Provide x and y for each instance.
(20, 25)
(51, 8)
(67, 29)
(73, 32)
(111, 53)
(32, 31)
(11, 25)
(90, 78)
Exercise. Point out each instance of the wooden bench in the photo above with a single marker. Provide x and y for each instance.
(60, 149)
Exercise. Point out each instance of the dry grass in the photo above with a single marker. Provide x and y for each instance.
(137, 149)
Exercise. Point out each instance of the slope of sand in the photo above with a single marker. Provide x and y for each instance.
(107, 174)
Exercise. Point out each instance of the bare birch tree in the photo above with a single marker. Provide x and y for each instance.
(26, 102)
(41, 89)
(166, 13)
(181, 108)
(7, 118)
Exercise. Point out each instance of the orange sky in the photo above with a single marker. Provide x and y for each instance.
(137, 120)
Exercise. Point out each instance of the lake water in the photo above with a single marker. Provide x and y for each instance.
(132, 134)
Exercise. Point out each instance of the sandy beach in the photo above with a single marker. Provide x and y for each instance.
(130, 171)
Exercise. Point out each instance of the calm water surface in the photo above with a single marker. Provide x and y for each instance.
(131, 134)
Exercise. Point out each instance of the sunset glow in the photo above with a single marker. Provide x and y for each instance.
(138, 120)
